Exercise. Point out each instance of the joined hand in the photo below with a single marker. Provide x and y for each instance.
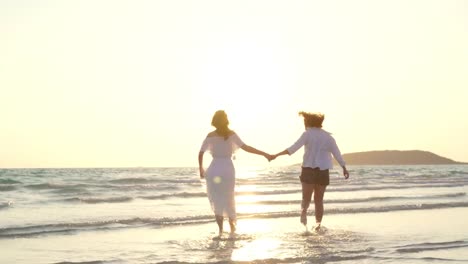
(270, 157)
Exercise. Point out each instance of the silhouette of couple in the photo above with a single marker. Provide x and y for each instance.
(318, 144)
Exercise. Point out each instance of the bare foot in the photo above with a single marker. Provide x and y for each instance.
(304, 217)
(317, 227)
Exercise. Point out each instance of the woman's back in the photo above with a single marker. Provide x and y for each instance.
(319, 145)
(221, 147)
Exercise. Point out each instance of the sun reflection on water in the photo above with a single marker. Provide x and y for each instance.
(255, 250)
(260, 248)
(244, 172)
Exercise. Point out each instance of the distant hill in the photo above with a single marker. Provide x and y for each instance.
(396, 157)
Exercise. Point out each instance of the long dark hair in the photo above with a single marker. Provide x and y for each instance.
(221, 123)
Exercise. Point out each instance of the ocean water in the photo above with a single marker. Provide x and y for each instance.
(382, 214)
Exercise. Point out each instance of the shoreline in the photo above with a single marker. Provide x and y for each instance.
(373, 235)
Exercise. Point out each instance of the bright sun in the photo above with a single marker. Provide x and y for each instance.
(243, 75)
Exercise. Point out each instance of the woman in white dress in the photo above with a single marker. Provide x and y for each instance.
(220, 175)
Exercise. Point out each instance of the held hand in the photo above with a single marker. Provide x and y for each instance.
(345, 173)
(270, 157)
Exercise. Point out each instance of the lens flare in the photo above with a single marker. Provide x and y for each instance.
(217, 179)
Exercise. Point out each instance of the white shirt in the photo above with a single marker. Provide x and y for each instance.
(319, 145)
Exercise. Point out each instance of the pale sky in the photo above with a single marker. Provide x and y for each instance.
(135, 83)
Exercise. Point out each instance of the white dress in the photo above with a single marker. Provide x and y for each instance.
(220, 175)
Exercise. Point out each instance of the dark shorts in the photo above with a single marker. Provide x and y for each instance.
(315, 176)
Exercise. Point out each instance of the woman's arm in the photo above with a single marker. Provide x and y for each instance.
(284, 152)
(345, 172)
(200, 164)
(256, 151)
(297, 145)
(337, 155)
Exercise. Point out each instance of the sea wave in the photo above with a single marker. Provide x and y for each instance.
(166, 186)
(120, 199)
(414, 248)
(95, 200)
(203, 194)
(258, 193)
(131, 180)
(35, 230)
(8, 181)
(44, 186)
(363, 200)
(391, 174)
(310, 259)
(393, 187)
(140, 180)
(82, 187)
(171, 195)
(5, 205)
(375, 209)
(458, 172)
(7, 188)
(298, 190)
(84, 262)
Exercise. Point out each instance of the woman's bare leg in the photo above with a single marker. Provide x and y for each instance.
(232, 224)
(219, 221)
(318, 201)
(307, 190)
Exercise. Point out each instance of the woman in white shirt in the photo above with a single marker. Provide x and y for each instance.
(319, 146)
(220, 175)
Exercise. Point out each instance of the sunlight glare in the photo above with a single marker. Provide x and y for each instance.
(254, 226)
(246, 172)
(243, 76)
(258, 249)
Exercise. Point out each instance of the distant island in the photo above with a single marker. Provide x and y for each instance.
(396, 157)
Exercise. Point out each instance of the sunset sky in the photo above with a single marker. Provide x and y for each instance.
(135, 83)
